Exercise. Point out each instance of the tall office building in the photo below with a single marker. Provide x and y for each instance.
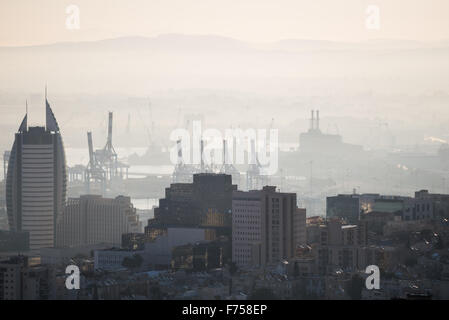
(36, 181)
(267, 226)
(207, 202)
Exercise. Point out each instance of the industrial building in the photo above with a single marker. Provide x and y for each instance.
(314, 141)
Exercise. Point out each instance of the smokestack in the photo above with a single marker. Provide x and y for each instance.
(318, 119)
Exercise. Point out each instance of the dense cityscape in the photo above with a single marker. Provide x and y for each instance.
(206, 155)
(207, 238)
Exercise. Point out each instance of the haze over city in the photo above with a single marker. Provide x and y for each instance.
(99, 101)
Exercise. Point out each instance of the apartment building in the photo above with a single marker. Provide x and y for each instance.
(267, 226)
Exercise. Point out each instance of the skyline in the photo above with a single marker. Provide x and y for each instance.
(440, 42)
(237, 151)
(26, 22)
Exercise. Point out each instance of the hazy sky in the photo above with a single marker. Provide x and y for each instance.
(29, 22)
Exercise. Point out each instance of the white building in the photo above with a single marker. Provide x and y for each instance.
(92, 219)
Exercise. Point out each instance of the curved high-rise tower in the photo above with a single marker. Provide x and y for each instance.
(36, 181)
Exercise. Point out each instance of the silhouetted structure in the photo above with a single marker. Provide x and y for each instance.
(206, 203)
(315, 142)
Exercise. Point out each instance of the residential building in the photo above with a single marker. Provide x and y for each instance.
(92, 219)
(267, 226)
(21, 281)
(336, 245)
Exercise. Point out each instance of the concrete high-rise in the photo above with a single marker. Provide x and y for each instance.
(267, 227)
(36, 181)
(207, 202)
(92, 219)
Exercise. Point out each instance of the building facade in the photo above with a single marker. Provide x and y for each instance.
(267, 227)
(92, 219)
(158, 253)
(36, 181)
(339, 246)
(205, 203)
(346, 206)
(21, 281)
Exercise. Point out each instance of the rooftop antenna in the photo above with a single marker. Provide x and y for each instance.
(318, 119)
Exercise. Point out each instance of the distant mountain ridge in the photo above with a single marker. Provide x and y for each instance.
(175, 61)
(177, 41)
